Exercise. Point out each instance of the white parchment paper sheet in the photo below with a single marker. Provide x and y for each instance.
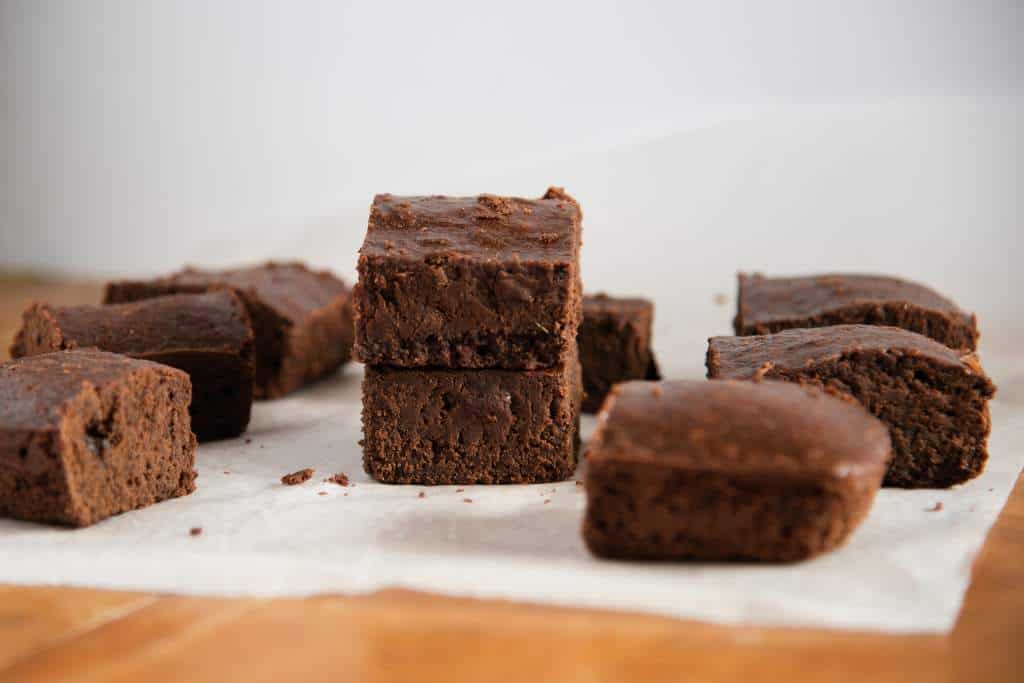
(906, 569)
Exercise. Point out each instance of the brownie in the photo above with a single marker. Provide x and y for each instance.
(469, 282)
(717, 471)
(88, 434)
(772, 304)
(302, 319)
(466, 426)
(615, 345)
(206, 335)
(934, 399)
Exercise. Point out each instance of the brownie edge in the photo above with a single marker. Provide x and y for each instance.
(301, 318)
(723, 471)
(933, 399)
(206, 335)
(456, 426)
(615, 345)
(469, 282)
(87, 434)
(771, 304)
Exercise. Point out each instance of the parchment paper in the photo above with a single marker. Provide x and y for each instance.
(906, 569)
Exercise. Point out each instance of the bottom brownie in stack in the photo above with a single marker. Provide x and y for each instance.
(454, 426)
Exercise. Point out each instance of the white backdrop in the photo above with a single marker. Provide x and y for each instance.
(701, 137)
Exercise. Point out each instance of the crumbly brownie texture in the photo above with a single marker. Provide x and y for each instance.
(771, 304)
(302, 319)
(339, 478)
(300, 477)
(717, 471)
(615, 345)
(87, 434)
(934, 399)
(469, 282)
(443, 426)
(206, 335)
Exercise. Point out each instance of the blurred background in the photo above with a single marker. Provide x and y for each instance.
(700, 137)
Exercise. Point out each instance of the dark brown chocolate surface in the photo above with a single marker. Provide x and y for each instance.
(771, 304)
(302, 319)
(713, 471)
(469, 282)
(934, 399)
(615, 345)
(87, 434)
(445, 426)
(206, 335)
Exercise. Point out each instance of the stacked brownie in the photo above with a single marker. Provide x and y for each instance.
(903, 351)
(206, 335)
(301, 318)
(466, 315)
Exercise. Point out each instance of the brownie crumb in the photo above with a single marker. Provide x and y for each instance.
(227, 471)
(579, 482)
(341, 479)
(421, 495)
(460, 490)
(720, 299)
(547, 500)
(322, 493)
(467, 500)
(297, 477)
(936, 507)
(248, 440)
(195, 531)
(765, 368)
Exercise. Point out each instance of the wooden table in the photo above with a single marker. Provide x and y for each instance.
(90, 635)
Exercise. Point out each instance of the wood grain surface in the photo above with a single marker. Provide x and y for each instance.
(52, 634)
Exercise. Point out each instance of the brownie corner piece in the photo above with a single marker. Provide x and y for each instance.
(729, 471)
(302, 318)
(85, 435)
(771, 304)
(207, 335)
(469, 426)
(469, 282)
(615, 345)
(934, 399)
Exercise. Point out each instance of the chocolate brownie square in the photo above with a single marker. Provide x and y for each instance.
(717, 471)
(459, 426)
(302, 319)
(469, 282)
(772, 304)
(934, 399)
(206, 335)
(615, 345)
(88, 434)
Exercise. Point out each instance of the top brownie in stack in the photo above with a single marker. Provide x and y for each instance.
(771, 304)
(469, 282)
